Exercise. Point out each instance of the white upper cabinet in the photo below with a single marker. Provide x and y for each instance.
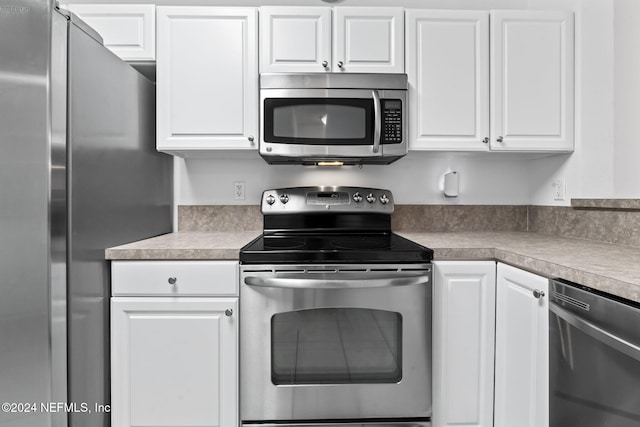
(368, 40)
(532, 81)
(295, 39)
(500, 80)
(522, 349)
(128, 30)
(207, 79)
(301, 39)
(448, 71)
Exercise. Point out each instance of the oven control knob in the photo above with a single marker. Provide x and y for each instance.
(357, 197)
(270, 199)
(384, 199)
(284, 198)
(371, 198)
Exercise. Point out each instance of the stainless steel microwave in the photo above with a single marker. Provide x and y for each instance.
(333, 118)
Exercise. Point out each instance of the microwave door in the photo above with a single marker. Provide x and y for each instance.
(310, 125)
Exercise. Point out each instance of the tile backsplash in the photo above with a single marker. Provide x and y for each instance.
(436, 218)
(619, 226)
(216, 218)
(610, 222)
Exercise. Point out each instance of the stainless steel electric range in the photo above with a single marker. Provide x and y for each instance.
(336, 313)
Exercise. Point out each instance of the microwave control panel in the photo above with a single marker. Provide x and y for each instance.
(391, 121)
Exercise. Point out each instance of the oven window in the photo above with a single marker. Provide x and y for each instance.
(334, 121)
(336, 346)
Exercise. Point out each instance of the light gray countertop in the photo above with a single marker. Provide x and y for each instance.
(187, 245)
(607, 267)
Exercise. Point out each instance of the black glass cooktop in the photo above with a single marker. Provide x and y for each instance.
(366, 248)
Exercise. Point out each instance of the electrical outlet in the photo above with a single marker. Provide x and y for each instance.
(559, 189)
(238, 190)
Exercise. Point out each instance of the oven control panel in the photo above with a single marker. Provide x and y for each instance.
(327, 199)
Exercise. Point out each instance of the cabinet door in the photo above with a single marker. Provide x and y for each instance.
(522, 343)
(532, 94)
(448, 71)
(368, 40)
(295, 39)
(128, 30)
(207, 79)
(174, 362)
(463, 343)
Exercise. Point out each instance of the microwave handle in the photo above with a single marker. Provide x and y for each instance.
(377, 119)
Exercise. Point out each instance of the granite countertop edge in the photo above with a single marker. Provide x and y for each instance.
(606, 267)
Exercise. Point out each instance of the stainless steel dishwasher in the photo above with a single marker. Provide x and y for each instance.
(594, 358)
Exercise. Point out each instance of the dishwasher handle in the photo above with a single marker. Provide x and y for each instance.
(594, 331)
(302, 281)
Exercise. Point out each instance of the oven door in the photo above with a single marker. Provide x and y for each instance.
(335, 344)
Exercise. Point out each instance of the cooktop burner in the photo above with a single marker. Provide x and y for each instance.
(283, 242)
(330, 224)
(360, 242)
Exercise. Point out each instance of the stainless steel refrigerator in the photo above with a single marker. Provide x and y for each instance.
(78, 173)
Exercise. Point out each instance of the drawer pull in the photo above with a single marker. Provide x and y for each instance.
(172, 281)
(228, 312)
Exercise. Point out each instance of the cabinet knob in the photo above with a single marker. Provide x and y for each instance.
(485, 140)
(538, 293)
(500, 139)
(340, 64)
(250, 138)
(325, 64)
(228, 312)
(172, 281)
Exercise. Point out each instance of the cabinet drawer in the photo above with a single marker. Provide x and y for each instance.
(174, 278)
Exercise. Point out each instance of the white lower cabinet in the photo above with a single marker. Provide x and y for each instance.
(490, 346)
(522, 349)
(463, 343)
(174, 358)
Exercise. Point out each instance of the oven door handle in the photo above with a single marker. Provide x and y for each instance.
(377, 121)
(302, 281)
(606, 337)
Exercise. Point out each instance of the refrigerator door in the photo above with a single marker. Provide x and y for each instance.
(120, 190)
(32, 213)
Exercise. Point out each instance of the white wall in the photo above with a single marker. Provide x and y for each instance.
(606, 163)
(627, 99)
(588, 172)
(484, 178)
(607, 149)
(490, 178)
